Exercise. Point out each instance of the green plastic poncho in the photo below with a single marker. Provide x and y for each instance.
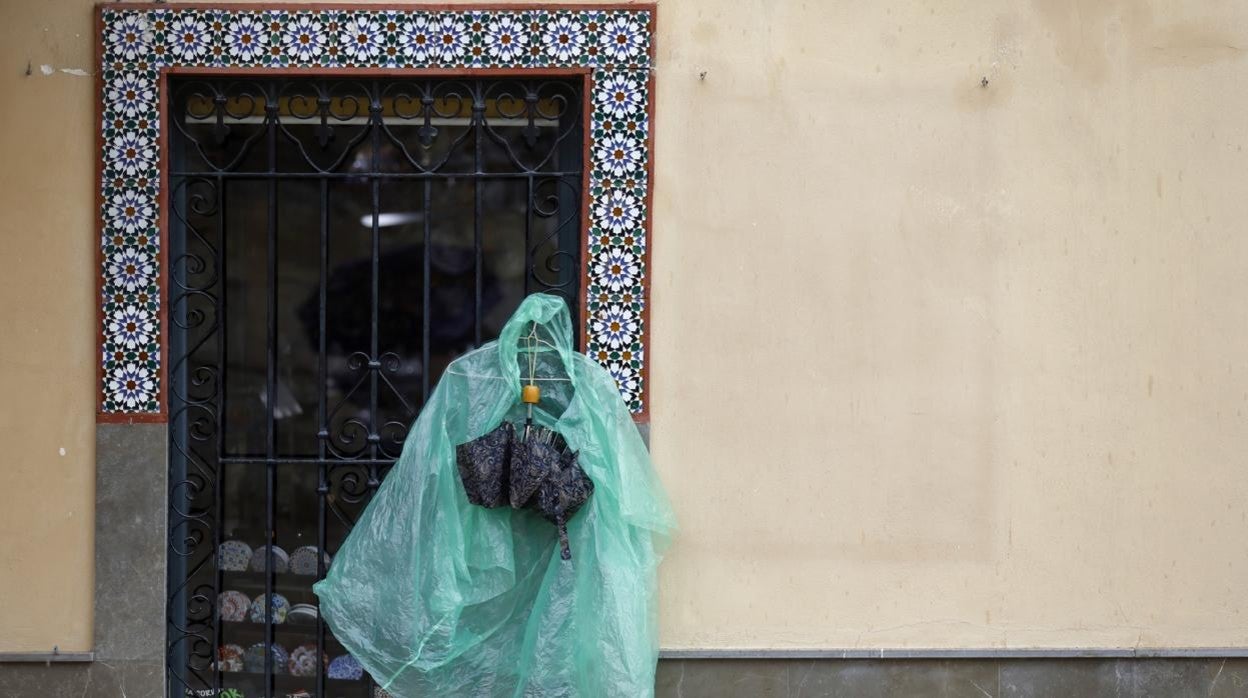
(439, 597)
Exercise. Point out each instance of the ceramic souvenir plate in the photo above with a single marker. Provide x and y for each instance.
(253, 660)
(303, 660)
(233, 606)
(230, 658)
(345, 667)
(302, 613)
(233, 556)
(281, 561)
(303, 560)
(277, 614)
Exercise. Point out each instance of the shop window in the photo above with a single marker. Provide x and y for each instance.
(334, 244)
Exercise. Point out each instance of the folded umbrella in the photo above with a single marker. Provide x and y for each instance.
(533, 469)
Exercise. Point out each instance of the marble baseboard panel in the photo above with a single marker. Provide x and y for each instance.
(98, 679)
(130, 514)
(952, 678)
(773, 678)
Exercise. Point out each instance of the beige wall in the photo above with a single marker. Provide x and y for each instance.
(48, 292)
(934, 364)
(946, 365)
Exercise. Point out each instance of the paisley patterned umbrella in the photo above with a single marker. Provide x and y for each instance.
(533, 469)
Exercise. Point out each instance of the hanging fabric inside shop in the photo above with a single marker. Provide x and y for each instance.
(454, 582)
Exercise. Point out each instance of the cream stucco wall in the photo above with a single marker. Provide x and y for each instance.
(941, 364)
(935, 363)
(48, 292)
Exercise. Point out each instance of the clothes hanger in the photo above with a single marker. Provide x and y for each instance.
(533, 340)
(530, 393)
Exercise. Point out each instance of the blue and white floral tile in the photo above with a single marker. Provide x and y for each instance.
(614, 42)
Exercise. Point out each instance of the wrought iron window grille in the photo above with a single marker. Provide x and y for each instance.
(333, 242)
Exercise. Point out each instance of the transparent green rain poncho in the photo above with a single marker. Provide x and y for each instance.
(439, 597)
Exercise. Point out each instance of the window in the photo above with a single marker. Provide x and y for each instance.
(333, 244)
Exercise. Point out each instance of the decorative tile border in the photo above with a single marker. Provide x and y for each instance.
(139, 41)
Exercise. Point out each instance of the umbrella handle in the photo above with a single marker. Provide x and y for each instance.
(565, 552)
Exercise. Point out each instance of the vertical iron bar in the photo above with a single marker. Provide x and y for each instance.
(219, 532)
(374, 358)
(178, 672)
(528, 236)
(426, 284)
(271, 393)
(571, 239)
(322, 488)
(478, 121)
(177, 629)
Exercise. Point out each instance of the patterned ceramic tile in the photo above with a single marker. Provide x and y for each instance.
(615, 43)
